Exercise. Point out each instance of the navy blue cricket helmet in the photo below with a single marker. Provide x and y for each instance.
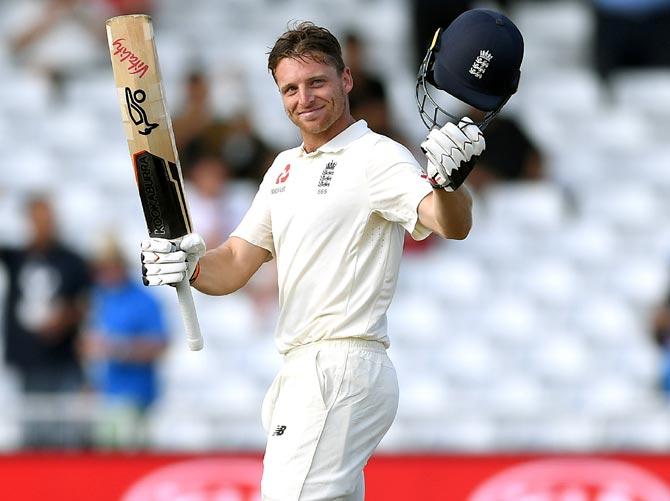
(477, 60)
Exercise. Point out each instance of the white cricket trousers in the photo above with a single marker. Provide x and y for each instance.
(325, 413)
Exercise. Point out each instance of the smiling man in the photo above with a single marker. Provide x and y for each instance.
(314, 94)
(332, 212)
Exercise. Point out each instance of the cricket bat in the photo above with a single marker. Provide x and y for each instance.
(148, 129)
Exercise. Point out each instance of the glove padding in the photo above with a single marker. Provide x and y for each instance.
(169, 261)
(452, 152)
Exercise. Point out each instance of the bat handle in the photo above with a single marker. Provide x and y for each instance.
(193, 336)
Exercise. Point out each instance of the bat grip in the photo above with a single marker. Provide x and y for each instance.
(188, 314)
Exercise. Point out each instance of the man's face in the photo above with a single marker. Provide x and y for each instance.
(314, 95)
(42, 222)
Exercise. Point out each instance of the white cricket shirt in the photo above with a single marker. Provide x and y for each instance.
(335, 219)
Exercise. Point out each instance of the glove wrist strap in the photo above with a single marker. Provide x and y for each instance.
(196, 274)
(437, 186)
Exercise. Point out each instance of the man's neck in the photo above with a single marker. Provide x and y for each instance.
(40, 246)
(312, 142)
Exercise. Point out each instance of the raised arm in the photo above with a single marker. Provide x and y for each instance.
(449, 214)
(451, 153)
(219, 271)
(229, 267)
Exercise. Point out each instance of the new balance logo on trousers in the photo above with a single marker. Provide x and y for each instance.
(279, 431)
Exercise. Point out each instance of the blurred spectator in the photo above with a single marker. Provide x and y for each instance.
(510, 155)
(48, 285)
(62, 38)
(368, 100)
(199, 132)
(429, 15)
(126, 338)
(45, 304)
(631, 34)
(216, 204)
(661, 332)
(244, 151)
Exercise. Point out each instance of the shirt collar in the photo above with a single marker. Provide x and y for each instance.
(342, 140)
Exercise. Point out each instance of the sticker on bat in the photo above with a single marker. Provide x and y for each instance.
(162, 196)
(138, 114)
(135, 65)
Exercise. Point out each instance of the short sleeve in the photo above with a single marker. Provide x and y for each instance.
(396, 188)
(256, 225)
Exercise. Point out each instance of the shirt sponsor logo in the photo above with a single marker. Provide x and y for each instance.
(283, 176)
(280, 187)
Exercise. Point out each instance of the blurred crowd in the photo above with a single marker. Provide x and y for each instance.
(81, 323)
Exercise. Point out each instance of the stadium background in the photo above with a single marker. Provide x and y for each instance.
(533, 336)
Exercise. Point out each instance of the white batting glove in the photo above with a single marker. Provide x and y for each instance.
(169, 261)
(452, 152)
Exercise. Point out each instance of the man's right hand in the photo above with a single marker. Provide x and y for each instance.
(169, 261)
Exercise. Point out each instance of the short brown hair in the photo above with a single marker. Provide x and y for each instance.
(307, 40)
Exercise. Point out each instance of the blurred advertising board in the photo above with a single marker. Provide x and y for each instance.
(150, 477)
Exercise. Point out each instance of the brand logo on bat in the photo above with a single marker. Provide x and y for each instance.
(138, 114)
(151, 197)
(135, 65)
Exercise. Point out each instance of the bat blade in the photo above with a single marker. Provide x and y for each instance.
(162, 196)
(148, 130)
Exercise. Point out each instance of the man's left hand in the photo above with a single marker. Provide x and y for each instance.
(452, 152)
